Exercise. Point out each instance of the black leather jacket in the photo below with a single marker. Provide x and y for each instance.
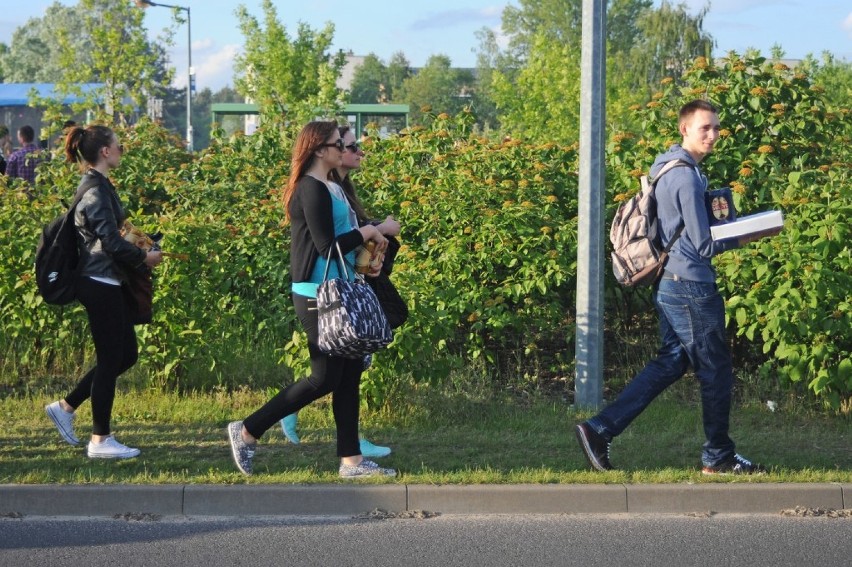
(97, 217)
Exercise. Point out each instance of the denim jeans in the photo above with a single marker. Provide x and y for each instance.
(692, 331)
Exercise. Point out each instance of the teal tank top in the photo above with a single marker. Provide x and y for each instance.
(342, 225)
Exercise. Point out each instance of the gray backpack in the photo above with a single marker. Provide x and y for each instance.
(638, 257)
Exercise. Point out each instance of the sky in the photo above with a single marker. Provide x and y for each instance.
(420, 29)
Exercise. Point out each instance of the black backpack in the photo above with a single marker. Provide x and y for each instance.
(57, 261)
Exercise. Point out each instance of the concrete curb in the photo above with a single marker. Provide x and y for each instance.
(337, 500)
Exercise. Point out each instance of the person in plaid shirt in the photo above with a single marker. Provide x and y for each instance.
(21, 163)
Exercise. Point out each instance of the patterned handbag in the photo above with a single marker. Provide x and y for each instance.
(352, 324)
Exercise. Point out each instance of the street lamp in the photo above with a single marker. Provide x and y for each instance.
(144, 4)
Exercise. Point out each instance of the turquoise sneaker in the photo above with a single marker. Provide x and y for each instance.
(288, 426)
(374, 451)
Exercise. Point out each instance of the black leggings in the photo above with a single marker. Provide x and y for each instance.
(115, 347)
(340, 377)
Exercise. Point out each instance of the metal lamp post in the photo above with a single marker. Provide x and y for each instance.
(144, 4)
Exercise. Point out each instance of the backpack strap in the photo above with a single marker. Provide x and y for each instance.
(666, 168)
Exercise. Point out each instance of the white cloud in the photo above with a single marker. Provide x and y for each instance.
(847, 24)
(202, 44)
(214, 70)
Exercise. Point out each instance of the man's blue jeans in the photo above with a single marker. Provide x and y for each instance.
(692, 331)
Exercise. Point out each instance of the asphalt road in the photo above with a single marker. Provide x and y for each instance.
(470, 541)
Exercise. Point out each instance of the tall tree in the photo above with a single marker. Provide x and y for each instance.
(489, 59)
(33, 55)
(291, 80)
(669, 39)
(541, 65)
(399, 69)
(120, 56)
(370, 82)
(437, 85)
(560, 21)
(542, 101)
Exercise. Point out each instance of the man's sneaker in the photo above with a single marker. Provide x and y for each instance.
(109, 448)
(594, 446)
(373, 451)
(736, 465)
(364, 468)
(288, 427)
(63, 421)
(242, 451)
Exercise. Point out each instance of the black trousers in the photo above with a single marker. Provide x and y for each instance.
(340, 377)
(115, 347)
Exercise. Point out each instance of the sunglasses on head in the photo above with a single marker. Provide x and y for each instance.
(354, 147)
(339, 144)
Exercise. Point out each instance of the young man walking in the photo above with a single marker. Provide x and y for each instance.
(690, 308)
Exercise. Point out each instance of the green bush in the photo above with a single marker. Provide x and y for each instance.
(781, 148)
(488, 262)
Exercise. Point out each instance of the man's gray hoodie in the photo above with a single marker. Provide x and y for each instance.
(680, 199)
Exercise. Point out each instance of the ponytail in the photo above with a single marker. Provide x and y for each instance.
(83, 145)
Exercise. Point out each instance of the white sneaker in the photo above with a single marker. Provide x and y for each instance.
(110, 449)
(63, 421)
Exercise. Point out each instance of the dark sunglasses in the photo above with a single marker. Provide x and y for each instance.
(354, 147)
(339, 144)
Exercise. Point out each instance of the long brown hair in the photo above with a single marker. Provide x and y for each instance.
(83, 144)
(312, 136)
(349, 187)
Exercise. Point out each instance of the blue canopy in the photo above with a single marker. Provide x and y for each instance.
(17, 94)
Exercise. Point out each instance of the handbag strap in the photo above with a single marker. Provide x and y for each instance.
(341, 263)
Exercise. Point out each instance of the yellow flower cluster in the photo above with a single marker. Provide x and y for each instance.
(780, 67)
(745, 172)
(653, 104)
(721, 88)
(765, 150)
(724, 133)
(758, 91)
(551, 198)
(738, 187)
(666, 81)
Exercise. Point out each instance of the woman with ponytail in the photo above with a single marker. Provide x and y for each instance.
(105, 255)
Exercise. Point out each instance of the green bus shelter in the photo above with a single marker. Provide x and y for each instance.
(359, 114)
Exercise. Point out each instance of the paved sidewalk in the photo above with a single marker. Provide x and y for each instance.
(353, 499)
